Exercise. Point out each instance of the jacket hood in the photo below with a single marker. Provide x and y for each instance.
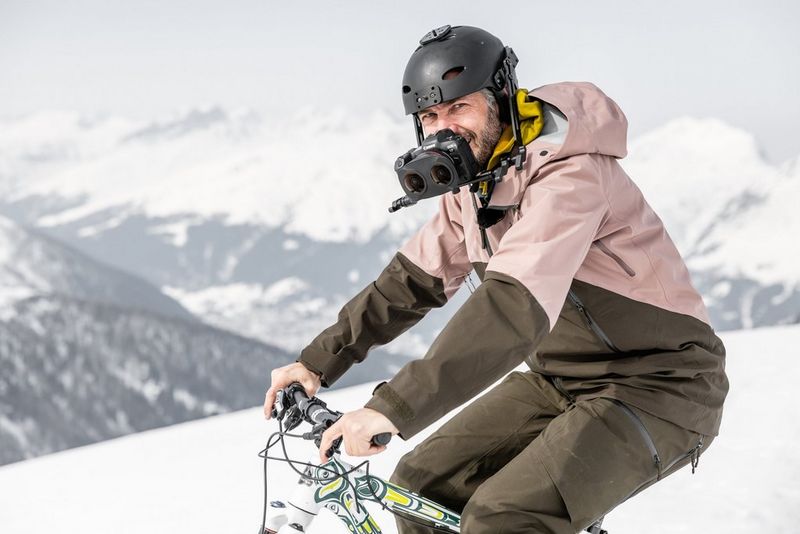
(578, 119)
(594, 124)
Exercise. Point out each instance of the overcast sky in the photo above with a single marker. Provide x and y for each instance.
(144, 59)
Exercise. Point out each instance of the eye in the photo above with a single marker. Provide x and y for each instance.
(427, 117)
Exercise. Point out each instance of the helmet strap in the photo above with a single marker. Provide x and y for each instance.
(508, 78)
(509, 75)
(418, 129)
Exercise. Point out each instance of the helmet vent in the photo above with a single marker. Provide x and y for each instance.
(452, 73)
(406, 89)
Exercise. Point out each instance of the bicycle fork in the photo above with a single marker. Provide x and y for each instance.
(296, 514)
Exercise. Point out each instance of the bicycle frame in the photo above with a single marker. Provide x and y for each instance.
(342, 489)
(345, 495)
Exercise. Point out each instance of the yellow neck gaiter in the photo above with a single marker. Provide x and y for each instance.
(531, 123)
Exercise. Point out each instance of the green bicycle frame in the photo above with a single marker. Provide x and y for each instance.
(345, 494)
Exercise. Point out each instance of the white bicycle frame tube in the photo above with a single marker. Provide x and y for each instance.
(345, 495)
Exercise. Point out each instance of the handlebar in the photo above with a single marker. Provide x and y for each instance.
(293, 406)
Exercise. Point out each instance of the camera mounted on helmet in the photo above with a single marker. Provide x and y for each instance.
(452, 62)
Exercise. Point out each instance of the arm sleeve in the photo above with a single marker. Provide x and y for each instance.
(493, 332)
(402, 294)
(503, 322)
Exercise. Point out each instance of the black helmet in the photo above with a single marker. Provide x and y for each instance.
(474, 58)
(474, 55)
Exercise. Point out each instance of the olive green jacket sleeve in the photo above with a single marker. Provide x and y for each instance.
(493, 332)
(401, 296)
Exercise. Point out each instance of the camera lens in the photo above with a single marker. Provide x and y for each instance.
(441, 174)
(414, 182)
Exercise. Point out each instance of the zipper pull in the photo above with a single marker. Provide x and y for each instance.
(582, 310)
(696, 455)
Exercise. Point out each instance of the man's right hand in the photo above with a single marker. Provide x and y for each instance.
(284, 376)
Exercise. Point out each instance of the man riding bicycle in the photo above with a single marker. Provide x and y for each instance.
(580, 281)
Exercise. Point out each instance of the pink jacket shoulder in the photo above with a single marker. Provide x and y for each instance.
(573, 213)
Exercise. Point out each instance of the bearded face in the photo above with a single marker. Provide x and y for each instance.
(475, 117)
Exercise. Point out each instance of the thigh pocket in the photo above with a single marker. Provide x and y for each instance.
(597, 457)
(676, 455)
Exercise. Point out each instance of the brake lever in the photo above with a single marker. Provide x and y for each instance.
(293, 418)
(291, 415)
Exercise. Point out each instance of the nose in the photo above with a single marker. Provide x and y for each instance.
(443, 123)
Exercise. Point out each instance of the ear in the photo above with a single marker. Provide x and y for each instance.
(501, 97)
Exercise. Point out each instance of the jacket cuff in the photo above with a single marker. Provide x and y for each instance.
(386, 401)
(329, 366)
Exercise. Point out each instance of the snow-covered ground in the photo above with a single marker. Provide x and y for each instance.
(205, 477)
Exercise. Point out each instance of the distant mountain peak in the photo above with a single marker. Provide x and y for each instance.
(187, 122)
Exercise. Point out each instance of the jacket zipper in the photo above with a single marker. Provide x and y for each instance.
(651, 445)
(484, 237)
(559, 385)
(608, 252)
(593, 325)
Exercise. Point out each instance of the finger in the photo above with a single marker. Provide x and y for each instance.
(357, 446)
(375, 449)
(311, 390)
(269, 402)
(309, 384)
(365, 449)
(328, 437)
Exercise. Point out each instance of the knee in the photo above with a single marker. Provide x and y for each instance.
(485, 513)
(404, 474)
(478, 514)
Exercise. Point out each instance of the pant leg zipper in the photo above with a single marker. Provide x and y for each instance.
(651, 445)
(694, 454)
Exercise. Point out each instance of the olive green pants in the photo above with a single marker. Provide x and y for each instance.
(525, 458)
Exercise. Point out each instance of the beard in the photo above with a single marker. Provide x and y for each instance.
(486, 140)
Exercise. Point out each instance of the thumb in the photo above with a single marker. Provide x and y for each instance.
(328, 437)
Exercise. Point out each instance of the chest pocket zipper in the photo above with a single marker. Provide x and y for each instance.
(608, 252)
(590, 322)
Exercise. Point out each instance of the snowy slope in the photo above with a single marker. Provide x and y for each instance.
(204, 477)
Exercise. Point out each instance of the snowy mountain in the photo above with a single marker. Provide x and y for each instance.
(32, 264)
(74, 372)
(267, 228)
(730, 213)
(88, 353)
(205, 477)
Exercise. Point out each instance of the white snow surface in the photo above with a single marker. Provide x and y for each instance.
(204, 476)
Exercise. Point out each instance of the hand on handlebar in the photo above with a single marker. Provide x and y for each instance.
(357, 428)
(283, 376)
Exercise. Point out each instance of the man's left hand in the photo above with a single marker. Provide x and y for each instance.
(357, 429)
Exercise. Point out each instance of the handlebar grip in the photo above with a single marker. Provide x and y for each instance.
(382, 439)
(298, 393)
